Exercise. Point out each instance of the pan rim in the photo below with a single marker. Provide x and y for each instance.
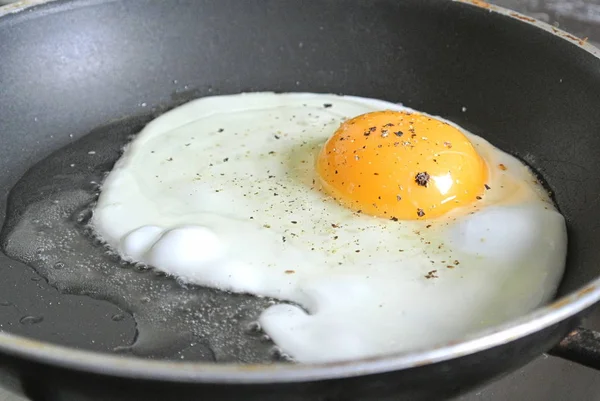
(194, 372)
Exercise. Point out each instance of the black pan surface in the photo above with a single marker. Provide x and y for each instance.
(71, 68)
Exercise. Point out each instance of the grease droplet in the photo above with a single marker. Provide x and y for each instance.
(123, 349)
(253, 328)
(118, 317)
(31, 320)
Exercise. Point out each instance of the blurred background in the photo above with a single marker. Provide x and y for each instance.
(547, 378)
(579, 17)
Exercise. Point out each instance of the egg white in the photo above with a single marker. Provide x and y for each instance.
(222, 192)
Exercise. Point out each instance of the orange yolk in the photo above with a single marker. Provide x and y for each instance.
(401, 165)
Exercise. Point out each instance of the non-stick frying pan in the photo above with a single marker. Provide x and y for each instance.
(106, 67)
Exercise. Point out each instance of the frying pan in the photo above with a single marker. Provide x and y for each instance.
(83, 76)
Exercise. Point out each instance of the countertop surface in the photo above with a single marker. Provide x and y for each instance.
(547, 378)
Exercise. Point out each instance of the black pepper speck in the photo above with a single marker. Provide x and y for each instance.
(422, 179)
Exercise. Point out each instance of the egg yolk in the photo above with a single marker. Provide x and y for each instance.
(401, 165)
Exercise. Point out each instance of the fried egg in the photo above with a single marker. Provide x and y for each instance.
(382, 229)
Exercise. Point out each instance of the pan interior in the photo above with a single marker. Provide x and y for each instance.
(46, 228)
(527, 91)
